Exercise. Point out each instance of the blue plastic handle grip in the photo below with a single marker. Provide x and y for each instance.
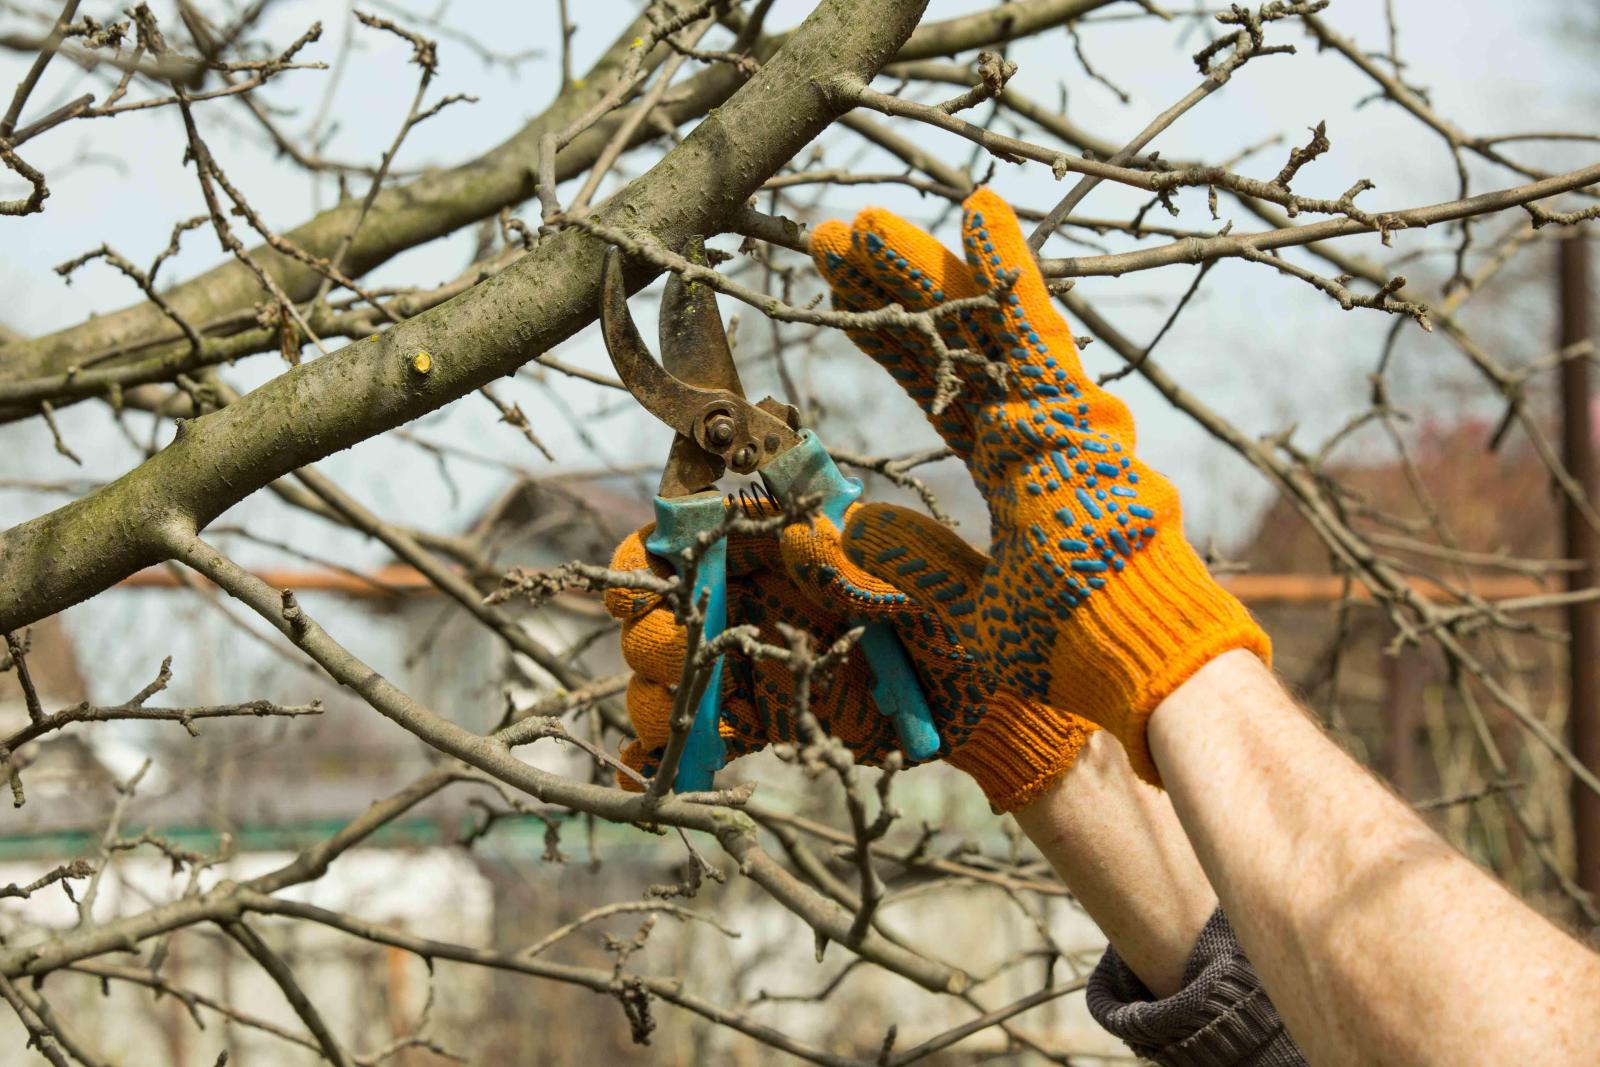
(806, 469)
(897, 692)
(678, 522)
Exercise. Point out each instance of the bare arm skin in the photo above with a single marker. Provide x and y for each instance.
(1119, 847)
(1377, 941)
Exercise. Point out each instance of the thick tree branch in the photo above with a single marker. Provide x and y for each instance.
(485, 333)
(442, 202)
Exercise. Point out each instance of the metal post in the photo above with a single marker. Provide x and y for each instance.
(1581, 544)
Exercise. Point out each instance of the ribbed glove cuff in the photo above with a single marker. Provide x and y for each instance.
(1019, 749)
(1142, 636)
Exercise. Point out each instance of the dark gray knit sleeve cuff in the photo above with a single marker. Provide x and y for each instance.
(1219, 1017)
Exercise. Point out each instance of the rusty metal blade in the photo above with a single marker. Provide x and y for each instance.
(717, 427)
(667, 398)
(689, 468)
(694, 345)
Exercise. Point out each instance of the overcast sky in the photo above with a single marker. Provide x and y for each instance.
(1265, 350)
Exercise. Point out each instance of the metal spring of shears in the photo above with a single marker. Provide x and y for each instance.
(755, 500)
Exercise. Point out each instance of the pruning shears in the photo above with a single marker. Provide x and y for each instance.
(695, 390)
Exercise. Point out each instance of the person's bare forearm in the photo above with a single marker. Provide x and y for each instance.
(1380, 943)
(1117, 845)
(1376, 940)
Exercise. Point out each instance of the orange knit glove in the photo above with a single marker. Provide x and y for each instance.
(978, 724)
(1093, 600)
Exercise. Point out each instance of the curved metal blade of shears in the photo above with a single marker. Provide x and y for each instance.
(716, 419)
(663, 395)
(694, 345)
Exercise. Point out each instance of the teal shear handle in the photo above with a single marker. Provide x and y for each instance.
(678, 522)
(805, 469)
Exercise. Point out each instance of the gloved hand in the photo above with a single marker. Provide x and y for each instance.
(1010, 745)
(1093, 599)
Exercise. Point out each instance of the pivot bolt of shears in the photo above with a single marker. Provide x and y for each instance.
(720, 431)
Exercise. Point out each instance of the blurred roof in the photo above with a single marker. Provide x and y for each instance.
(1489, 501)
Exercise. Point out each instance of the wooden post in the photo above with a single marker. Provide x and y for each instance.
(1402, 698)
(1581, 544)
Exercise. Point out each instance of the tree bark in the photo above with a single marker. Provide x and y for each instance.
(438, 203)
(329, 404)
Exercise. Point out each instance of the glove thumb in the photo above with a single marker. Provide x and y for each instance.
(1019, 746)
(922, 558)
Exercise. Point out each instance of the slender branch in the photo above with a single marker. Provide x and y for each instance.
(47, 52)
(34, 201)
(83, 713)
(1246, 46)
(279, 971)
(39, 1035)
(1198, 250)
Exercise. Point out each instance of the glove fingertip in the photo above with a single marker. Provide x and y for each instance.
(986, 202)
(936, 569)
(650, 709)
(992, 240)
(908, 262)
(633, 755)
(631, 555)
(830, 239)
(816, 564)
